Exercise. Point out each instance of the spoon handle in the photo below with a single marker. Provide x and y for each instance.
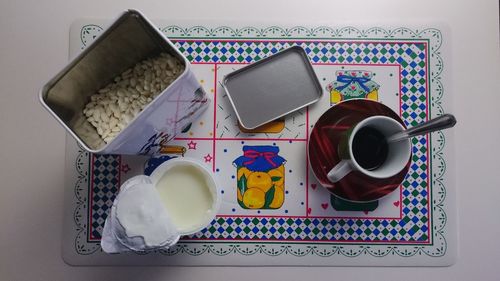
(442, 122)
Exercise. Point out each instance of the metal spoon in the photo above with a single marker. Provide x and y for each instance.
(442, 122)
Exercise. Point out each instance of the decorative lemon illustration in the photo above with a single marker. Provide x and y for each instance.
(260, 177)
(279, 196)
(259, 180)
(254, 198)
(282, 169)
(373, 95)
(243, 171)
(335, 96)
(276, 177)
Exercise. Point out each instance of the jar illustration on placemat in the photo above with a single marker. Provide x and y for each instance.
(352, 84)
(260, 177)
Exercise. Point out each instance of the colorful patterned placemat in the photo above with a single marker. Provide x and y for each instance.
(296, 222)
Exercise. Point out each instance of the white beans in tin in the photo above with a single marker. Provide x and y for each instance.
(115, 105)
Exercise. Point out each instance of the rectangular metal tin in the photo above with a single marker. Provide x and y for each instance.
(272, 87)
(130, 39)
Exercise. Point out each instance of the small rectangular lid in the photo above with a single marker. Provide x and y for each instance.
(272, 87)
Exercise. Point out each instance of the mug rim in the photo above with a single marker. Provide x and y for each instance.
(361, 125)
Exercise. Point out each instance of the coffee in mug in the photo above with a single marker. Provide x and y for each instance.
(365, 148)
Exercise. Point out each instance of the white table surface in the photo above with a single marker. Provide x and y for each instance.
(34, 46)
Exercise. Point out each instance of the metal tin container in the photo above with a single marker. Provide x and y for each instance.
(130, 39)
(272, 87)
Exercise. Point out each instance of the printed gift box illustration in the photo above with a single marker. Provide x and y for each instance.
(351, 84)
(260, 178)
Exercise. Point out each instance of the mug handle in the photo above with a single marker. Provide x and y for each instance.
(339, 171)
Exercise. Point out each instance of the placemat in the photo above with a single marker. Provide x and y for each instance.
(413, 226)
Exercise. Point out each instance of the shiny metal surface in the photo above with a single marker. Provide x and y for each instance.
(272, 87)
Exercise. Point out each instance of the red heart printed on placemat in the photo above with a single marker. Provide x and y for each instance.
(309, 210)
(366, 212)
(353, 73)
(313, 186)
(396, 203)
(353, 87)
(324, 205)
(125, 168)
(366, 73)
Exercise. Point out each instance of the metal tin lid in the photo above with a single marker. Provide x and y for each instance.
(272, 87)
